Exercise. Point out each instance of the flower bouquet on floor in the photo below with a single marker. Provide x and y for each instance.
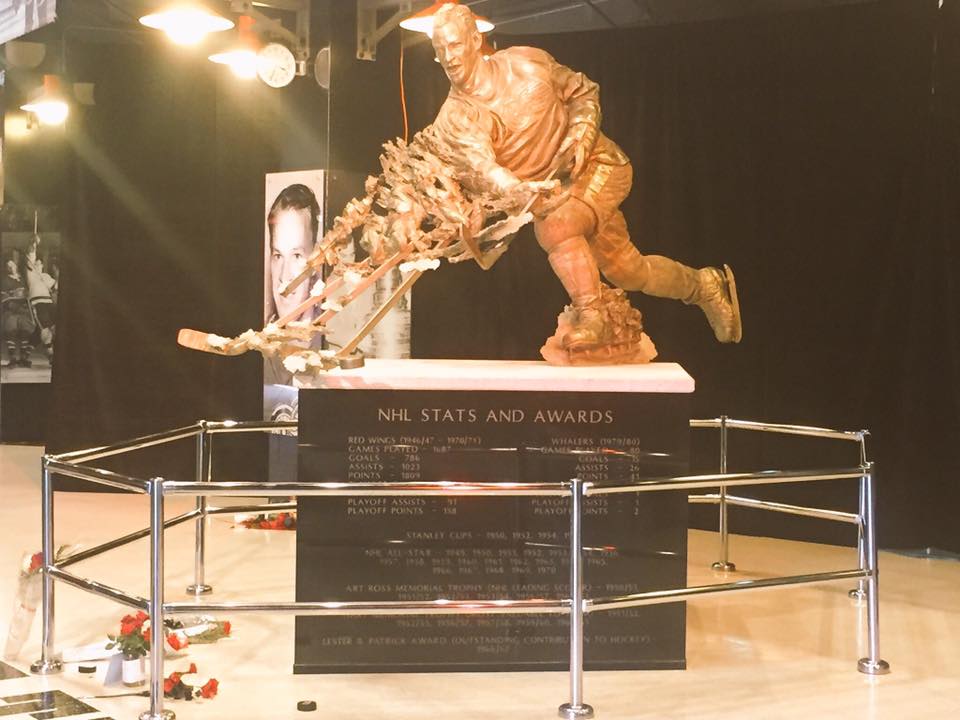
(176, 689)
(26, 600)
(25, 603)
(202, 631)
(269, 521)
(134, 642)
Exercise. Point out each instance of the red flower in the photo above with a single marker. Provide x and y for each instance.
(146, 634)
(171, 682)
(226, 627)
(175, 642)
(193, 669)
(131, 623)
(36, 561)
(210, 689)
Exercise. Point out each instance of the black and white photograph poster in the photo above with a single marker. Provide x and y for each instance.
(28, 305)
(293, 224)
(19, 17)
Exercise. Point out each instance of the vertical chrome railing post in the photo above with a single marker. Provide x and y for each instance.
(860, 592)
(49, 663)
(872, 664)
(724, 564)
(576, 708)
(156, 711)
(203, 471)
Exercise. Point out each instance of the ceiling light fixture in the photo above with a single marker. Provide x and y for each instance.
(423, 20)
(48, 103)
(241, 58)
(186, 22)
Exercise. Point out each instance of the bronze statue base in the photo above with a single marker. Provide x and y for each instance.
(620, 340)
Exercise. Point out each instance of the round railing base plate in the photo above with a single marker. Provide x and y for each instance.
(572, 712)
(868, 667)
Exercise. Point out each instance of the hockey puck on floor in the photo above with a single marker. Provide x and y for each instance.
(87, 669)
(307, 705)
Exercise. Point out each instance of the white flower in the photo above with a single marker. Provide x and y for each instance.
(421, 265)
(318, 287)
(295, 363)
(330, 304)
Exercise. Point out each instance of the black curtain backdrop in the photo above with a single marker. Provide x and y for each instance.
(165, 225)
(805, 149)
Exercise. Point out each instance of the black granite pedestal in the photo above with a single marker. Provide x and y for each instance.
(424, 548)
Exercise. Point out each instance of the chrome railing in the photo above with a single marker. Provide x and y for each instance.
(75, 465)
(725, 424)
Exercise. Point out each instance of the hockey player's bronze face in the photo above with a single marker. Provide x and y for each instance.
(458, 51)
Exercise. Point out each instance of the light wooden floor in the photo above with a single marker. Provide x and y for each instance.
(778, 654)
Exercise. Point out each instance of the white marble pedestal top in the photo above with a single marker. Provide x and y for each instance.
(508, 375)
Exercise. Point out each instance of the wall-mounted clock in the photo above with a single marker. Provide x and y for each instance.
(276, 65)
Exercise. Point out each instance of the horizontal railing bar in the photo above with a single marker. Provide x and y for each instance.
(266, 507)
(454, 607)
(339, 489)
(386, 607)
(239, 426)
(656, 597)
(709, 499)
(808, 430)
(96, 475)
(100, 589)
(131, 445)
(800, 510)
(123, 540)
(764, 477)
